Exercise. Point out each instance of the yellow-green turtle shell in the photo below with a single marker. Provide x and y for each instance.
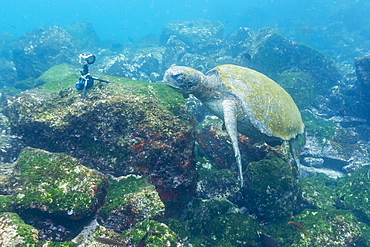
(267, 105)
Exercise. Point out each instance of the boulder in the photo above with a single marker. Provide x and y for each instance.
(38, 50)
(362, 66)
(241, 42)
(152, 233)
(215, 143)
(57, 183)
(83, 35)
(273, 192)
(175, 50)
(125, 127)
(273, 54)
(353, 188)
(129, 201)
(140, 67)
(14, 232)
(203, 37)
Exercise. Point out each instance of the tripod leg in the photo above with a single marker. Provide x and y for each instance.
(84, 90)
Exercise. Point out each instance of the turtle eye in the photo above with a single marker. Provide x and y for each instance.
(178, 76)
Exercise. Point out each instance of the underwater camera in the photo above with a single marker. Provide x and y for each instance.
(87, 58)
(86, 80)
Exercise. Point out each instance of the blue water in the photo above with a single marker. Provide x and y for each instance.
(114, 19)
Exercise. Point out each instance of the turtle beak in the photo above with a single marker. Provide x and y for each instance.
(171, 80)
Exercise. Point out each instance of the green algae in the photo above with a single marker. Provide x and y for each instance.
(60, 244)
(155, 234)
(202, 212)
(106, 128)
(323, 129)
(6, 203)
(16, 233)
(60, 78)
(355, 190)
(322, 228)
(233, 229)
(327, 228)
(117, 189)
(273, 190)
(319, 192)
(178, 227)
(57, 183)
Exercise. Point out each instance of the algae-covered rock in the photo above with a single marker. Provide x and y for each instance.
(355, 190)
(93, 230)
(326, 228)
(6, 203)
(121, 128)
(234, 229)
(152, 233)
(57, 183)
(274, 54)
(215, 143)
(15, 233)
(315, 227)
(214, 183)
(300, 85)
(199, 214)
(130, 200)
(273, 191)
(319, 192)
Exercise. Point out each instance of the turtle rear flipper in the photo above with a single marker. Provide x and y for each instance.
(230, 121)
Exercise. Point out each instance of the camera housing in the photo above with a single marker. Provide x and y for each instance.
(87, 58)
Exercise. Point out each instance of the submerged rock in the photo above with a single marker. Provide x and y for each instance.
(129, 201)
(362, 66)
(140, 67)
(202, 36)
(125, 127)
(327, 228)
(319, 192)
(241, 42)
(354, 189)
(152, 233)
(273, 54)
(315, 227)
(328, 145)
(57, 184)
(84, 36)
(14, 232)
(215, 143)
(273, 191)
(38, 50)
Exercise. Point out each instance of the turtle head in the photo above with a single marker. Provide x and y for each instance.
(183, 79)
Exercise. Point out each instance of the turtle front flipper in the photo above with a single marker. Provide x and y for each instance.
(230, 120)
(295, 150)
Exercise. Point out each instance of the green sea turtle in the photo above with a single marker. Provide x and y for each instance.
(248, 102)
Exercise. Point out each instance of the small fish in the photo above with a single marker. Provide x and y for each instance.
(267, 241)
(109, 241)
(368, 173)
(299, 226)
(336, 144)
(247, 55)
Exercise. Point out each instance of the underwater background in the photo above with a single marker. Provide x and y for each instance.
(131, 162)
